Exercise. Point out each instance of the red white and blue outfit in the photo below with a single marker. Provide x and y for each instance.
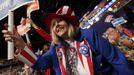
(95, 56)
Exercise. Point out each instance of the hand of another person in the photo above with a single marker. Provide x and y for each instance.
(14, 37)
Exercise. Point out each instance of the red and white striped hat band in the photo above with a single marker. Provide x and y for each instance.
(65, 10)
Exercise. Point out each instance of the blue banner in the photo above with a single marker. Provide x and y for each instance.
(6, 5)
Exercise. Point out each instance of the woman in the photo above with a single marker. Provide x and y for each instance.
(73, 51)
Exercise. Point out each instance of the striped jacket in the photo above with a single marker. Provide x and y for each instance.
(95, 56)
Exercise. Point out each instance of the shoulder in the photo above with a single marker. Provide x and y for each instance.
(51, 49)
(52, 46)
(88, 32)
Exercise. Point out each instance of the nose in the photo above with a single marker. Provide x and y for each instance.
(57, 27)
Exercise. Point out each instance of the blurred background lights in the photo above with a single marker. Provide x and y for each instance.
(110, 9)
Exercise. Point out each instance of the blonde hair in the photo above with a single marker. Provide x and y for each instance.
(72, 30)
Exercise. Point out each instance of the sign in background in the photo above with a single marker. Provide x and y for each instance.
(6, 5)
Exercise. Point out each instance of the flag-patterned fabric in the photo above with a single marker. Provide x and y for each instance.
(84, 64)
(32, 7)
(24, 26)
(27, 56)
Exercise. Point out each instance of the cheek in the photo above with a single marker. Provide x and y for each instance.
(55, 30)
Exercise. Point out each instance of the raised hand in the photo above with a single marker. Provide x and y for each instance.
(14, 37)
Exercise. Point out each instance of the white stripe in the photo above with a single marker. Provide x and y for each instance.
(85, 62)
(65, 10)
(91, 56)
(63, 58)
(30, 52)
(80, 68)
(23, 59)
(73, 14)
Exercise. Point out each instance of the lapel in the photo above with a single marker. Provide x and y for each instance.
(84, 54)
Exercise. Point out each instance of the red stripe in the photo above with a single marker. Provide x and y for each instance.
(44, 34)
(90, 65)
(89, 59)
(63, 49)
(62, 67)
(57, 49)
(80, 56)
(69, 11)
(28, 57)
(17, 51)
(63, 71)
(47, 72)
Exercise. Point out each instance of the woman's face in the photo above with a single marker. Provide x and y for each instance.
(61, 29)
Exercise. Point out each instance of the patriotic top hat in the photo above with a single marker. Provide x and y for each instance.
(63, 12)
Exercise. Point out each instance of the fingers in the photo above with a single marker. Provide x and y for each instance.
(15, 32)
(4, 31)
(7, 35)
(14, 37)
(9, 39)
